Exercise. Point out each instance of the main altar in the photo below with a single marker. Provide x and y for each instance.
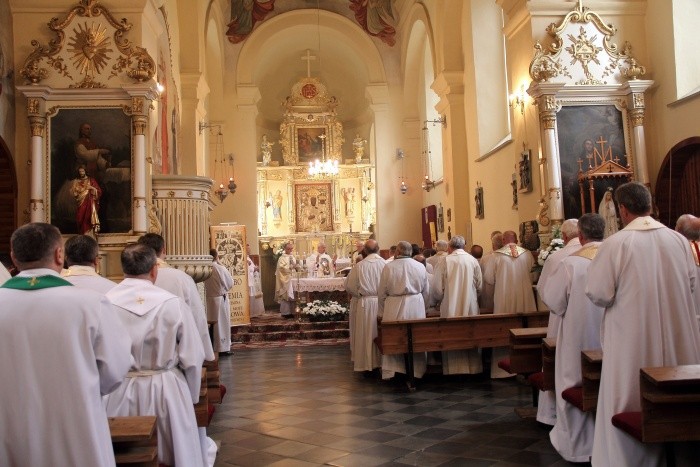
(336, 207)
(293, 204)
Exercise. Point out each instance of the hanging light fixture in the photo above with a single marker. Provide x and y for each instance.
(223, 169)
(323, 168)
(403, 187)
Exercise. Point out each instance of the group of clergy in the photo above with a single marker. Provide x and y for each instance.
(80, 356)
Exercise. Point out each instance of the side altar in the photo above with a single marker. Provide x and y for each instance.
(315, 194)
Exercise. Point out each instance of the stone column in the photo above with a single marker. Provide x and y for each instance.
(378, 96)
(634, 89)
(190, 151)
(183, 206)
(37, 205)
(545, 95)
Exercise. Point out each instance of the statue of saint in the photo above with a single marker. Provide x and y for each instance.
(266, 150)
(358, 145)
(277, 205)
(86, 192)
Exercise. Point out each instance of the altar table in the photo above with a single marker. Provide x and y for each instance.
(320, 288)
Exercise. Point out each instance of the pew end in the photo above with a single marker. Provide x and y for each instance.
(134, 440)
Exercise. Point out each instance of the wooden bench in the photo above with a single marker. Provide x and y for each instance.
(201, 409)
(525, 351)
(462, 333)
(215, 390)
(134, 440)
(585, 397)
(670, 408)
(549, 355)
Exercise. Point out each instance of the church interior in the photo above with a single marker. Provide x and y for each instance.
(336, 121)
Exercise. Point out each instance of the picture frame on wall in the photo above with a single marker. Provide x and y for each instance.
(99, 139)
(313, 204)
(525, 172)
(309, 143)
(479, 201)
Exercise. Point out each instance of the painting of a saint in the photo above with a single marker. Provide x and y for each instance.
(376, 18)
(310, 144)
(244, 15)
(313, 211)
(99, 140)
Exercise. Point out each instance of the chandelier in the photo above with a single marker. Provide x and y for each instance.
(323, 168)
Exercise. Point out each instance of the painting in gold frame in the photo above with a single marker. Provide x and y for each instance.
(313, 207)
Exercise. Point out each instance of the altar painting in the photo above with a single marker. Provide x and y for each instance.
(310, 144)
(313, 207)
(589, 134)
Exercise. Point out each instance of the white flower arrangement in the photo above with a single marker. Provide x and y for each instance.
(555, 245)
(324, 310)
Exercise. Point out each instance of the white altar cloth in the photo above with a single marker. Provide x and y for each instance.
(318, 284)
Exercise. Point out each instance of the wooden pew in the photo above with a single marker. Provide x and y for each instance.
(134, 440)
(526, 350)
(549, 355)
(591, 365)
(462, 333)
(213, 383)
(670, 408)
(201, 408)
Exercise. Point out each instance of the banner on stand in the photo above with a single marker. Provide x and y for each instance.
(230, 243)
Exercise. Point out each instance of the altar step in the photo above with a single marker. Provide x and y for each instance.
(271, 330)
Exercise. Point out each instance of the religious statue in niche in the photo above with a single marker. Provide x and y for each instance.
(525, 170)
(358, 145)
(514, 186)
(479, 201)
(376, 18)
(266, 150)
(276, 202)
(609, 212)
(244, 15)
(349, 199)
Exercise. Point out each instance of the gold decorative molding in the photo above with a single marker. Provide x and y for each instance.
(154, 225)
(638, 100)
(33, 106)
(139, 123)
(637, 117)
(556, 191)
(137, 105)
(593, 59)
(88, 47)
(37, 125)
(548, 120)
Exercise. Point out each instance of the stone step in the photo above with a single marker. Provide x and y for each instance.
(283, 336)
(274, 329)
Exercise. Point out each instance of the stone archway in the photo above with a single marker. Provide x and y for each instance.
(678, 184)
(8, 197)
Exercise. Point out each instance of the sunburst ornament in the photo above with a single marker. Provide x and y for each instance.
(90, 49)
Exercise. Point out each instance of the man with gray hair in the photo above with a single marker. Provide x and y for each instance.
(644, 276)
(546, 406)
(440, 254)
(402, 294)
(578, 321)
(82, 256)
(456, 285)
(486, 297)
(320, 264)
(166, 374)
(361, 283)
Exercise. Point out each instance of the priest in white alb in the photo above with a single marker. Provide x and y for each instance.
(255, 296)
(402, 295)
(82, 257)
(61, 350)
(689, 226)
(487, 290)
(320, 264)
(546, 404)
(284, 292)
(361, 283)
(455, 286)
(509, 273)
(166, 374)
(645, 278)
(218, 306)
(440, 253)
(564, 292)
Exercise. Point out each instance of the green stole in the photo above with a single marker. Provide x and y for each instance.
(35, 282)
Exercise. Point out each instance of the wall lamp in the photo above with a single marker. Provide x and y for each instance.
(517, 99)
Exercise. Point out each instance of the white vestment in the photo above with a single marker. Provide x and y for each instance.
(435, 259)
(486, 296)
(284, 293)
(361, 283)
(403, 293)
(644, 276)
(257, 306)
(320, 265)
(181, 284)
(695, 251)
(61, 349)
(166, 376)
(455, 285)
(4, 274)
(509, 273)
(218, 308)
(579, 329)
(87, 278)
(546, 404)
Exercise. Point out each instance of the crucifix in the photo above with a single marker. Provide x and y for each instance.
(307, 58)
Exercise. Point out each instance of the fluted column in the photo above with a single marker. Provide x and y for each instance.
(183, 205)
(37, 204)
(635, 102)
(545, 95)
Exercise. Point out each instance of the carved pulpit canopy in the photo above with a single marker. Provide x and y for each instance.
(89, 50)
(581, 52)
(310, 129)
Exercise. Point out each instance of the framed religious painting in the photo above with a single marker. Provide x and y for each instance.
(525, 173)
(479, 201)
(91, 144)
(313, 204)
(310, 143)
(588, 136)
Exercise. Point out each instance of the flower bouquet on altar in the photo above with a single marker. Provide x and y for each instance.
(555, 245)
(324, 310)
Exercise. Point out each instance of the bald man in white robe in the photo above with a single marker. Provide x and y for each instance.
(546, 405)
(362, 283)
(402, 295)
(456, 285)
(578, 324)
(509, 273)
(645, 278)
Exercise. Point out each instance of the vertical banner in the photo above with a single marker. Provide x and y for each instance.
(230, 241)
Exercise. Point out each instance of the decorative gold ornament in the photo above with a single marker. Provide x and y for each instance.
(90, 49)
(33, 106)
(634, 71)
(37, 125)
(139, 124)
(637, 117)
(584, 51)
(548, 120)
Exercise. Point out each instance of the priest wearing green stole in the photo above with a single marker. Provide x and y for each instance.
(63, 349)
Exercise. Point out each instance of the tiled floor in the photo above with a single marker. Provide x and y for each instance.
(304, 406)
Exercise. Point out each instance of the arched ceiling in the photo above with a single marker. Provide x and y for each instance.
(342, 61)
